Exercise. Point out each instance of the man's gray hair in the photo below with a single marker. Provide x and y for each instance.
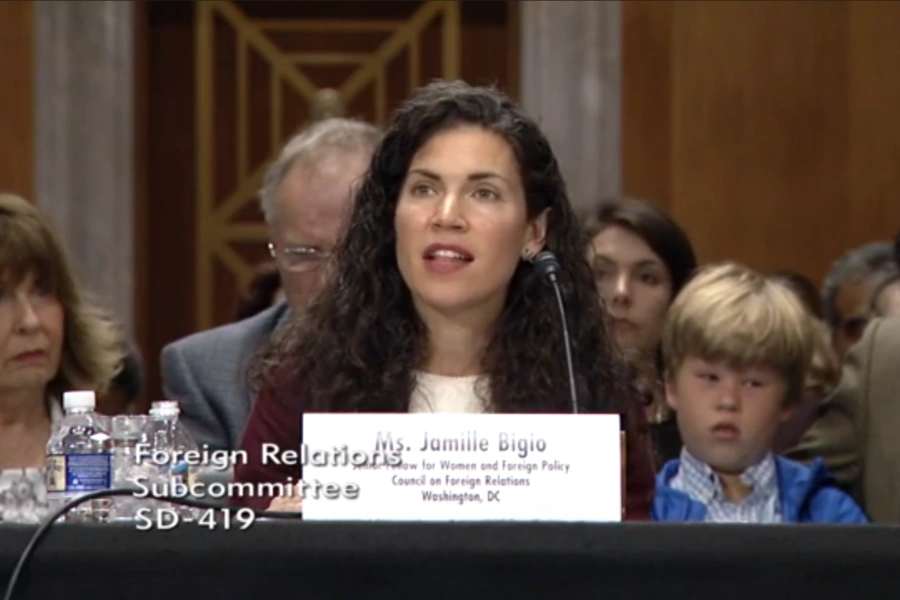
(326, 139)
(874, 259)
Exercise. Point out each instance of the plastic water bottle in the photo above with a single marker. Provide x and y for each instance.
(127, 472)
(79, 460)
(167, 437)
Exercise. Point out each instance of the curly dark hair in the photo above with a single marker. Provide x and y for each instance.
(338, 350)
(359, 345)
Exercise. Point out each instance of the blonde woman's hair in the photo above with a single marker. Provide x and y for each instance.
(731, 313)
(93, 346)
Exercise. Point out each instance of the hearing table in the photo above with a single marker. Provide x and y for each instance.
(456, 560)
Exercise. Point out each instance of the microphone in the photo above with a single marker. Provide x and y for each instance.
(549, 268)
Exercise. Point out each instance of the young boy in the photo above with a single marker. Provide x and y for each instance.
(737, 347)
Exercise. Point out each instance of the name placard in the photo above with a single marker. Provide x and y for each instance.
(464, 467)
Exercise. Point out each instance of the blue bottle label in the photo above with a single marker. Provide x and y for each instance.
(88, 472)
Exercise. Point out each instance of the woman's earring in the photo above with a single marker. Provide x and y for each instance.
(526, 255)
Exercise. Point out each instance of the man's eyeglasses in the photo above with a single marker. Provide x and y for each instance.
(298, 258)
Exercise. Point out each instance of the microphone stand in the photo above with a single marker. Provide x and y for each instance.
(547, 265)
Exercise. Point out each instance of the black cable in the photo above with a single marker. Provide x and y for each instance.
(46, 525)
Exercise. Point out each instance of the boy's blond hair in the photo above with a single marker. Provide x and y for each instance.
(731, 313)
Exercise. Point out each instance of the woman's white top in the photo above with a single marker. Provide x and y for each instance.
(23, 493)
(444, 394)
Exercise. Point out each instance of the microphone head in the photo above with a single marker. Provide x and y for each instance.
(547, 265)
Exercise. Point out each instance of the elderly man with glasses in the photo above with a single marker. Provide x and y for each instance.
(305, 198)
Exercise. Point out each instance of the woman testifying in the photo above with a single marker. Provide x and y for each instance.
(434, 305)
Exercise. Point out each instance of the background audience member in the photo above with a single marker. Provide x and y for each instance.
(641, 260)
(305, 199)
(263, 292)
(804, 288)
(824, 370)
(856, 433)
(737, 348)
(52, 339)
(847, 293)
(435, 305)
(886, 298)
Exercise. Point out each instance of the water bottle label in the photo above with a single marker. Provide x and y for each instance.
(88, 472)
(183, 474)
(56, 473)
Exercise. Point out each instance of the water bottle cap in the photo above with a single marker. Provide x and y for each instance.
(165, 407)
(79, 399)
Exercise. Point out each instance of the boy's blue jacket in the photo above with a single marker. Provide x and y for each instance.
(808, 495)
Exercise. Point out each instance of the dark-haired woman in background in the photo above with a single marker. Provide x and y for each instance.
(641, 260)
(434, 304)
(804, 289)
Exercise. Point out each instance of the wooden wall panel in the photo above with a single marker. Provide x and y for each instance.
(874, 140)
(17, 98)
(768, 129)
(647, 99)
(173, 78)
(169, 171)
(142, 233)
(759, 122)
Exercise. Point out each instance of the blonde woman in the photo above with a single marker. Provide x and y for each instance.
(52, 339)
